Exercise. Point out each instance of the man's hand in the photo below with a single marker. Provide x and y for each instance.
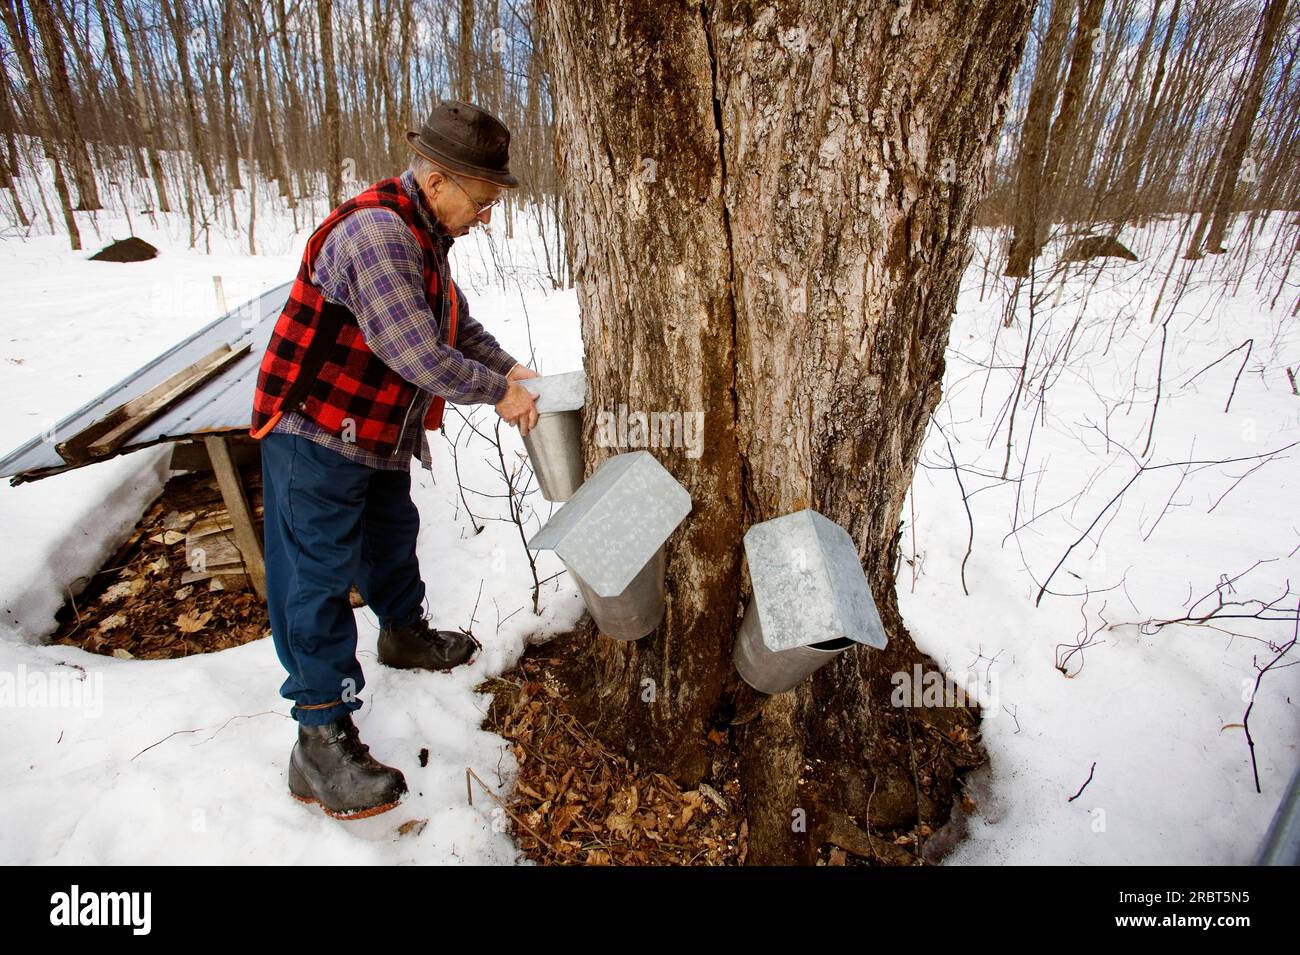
(520, 372)
(519, 406)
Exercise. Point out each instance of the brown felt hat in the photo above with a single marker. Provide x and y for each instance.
(467, 140)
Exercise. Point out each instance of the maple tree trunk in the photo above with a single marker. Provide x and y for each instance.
(768, 217)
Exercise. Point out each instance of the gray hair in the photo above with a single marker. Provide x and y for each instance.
(421, 166)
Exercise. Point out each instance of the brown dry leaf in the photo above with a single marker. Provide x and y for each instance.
(123, 588)
(564, 782)
(192, 623)
(529, 791)
(838, 856)
(691, 801)
(113, 620)
(412, 827)
(620, 824)
(562, 818)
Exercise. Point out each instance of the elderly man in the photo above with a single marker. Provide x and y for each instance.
(374, 339)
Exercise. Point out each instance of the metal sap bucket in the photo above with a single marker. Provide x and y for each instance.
(811, 601)
(554, 444)
(611, 535)
(635, 612)
(773, 671)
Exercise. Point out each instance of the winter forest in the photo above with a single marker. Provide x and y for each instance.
(913, 469)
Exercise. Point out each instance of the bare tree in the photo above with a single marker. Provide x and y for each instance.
(68, 129)
(44, 119)
(1045, 142)
(333, 151)
(1224, 184)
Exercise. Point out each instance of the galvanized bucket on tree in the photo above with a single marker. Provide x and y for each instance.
(811, 601)
(611, 535)
(554, 444)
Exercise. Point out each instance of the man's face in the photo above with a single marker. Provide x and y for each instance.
(459, 201)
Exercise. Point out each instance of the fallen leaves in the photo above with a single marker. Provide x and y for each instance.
(139, 604)
(112, 621)
(574, 802)
(193, 622)
(123, 588)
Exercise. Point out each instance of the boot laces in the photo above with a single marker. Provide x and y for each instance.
(350, 738)
(429, 635)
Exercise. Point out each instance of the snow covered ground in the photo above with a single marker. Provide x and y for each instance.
(1157, 709)
(124, 761)
(183, 761)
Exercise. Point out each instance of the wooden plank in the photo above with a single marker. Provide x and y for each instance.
(109, 432)
(192, 456)
(232, 492)
(217, 522)
(141, 414)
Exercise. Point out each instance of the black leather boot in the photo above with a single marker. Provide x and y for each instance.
(414, 646)
(331, 766)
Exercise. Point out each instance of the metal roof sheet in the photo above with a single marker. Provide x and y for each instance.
(222, 404)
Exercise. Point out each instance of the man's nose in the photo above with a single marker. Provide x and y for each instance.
(485, 216)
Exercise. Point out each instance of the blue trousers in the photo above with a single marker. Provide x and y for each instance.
(329, 523)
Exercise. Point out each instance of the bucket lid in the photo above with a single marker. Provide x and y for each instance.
(615, 522)
(808, 583)
(565, 392)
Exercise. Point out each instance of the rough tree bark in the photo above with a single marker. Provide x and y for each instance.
(465, 53)
(768, 220)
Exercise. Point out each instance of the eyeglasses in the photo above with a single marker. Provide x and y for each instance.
(480, 208)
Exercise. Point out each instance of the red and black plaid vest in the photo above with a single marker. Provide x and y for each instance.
(317, 361)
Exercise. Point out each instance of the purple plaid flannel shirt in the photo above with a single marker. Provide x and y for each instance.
(371, 264)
